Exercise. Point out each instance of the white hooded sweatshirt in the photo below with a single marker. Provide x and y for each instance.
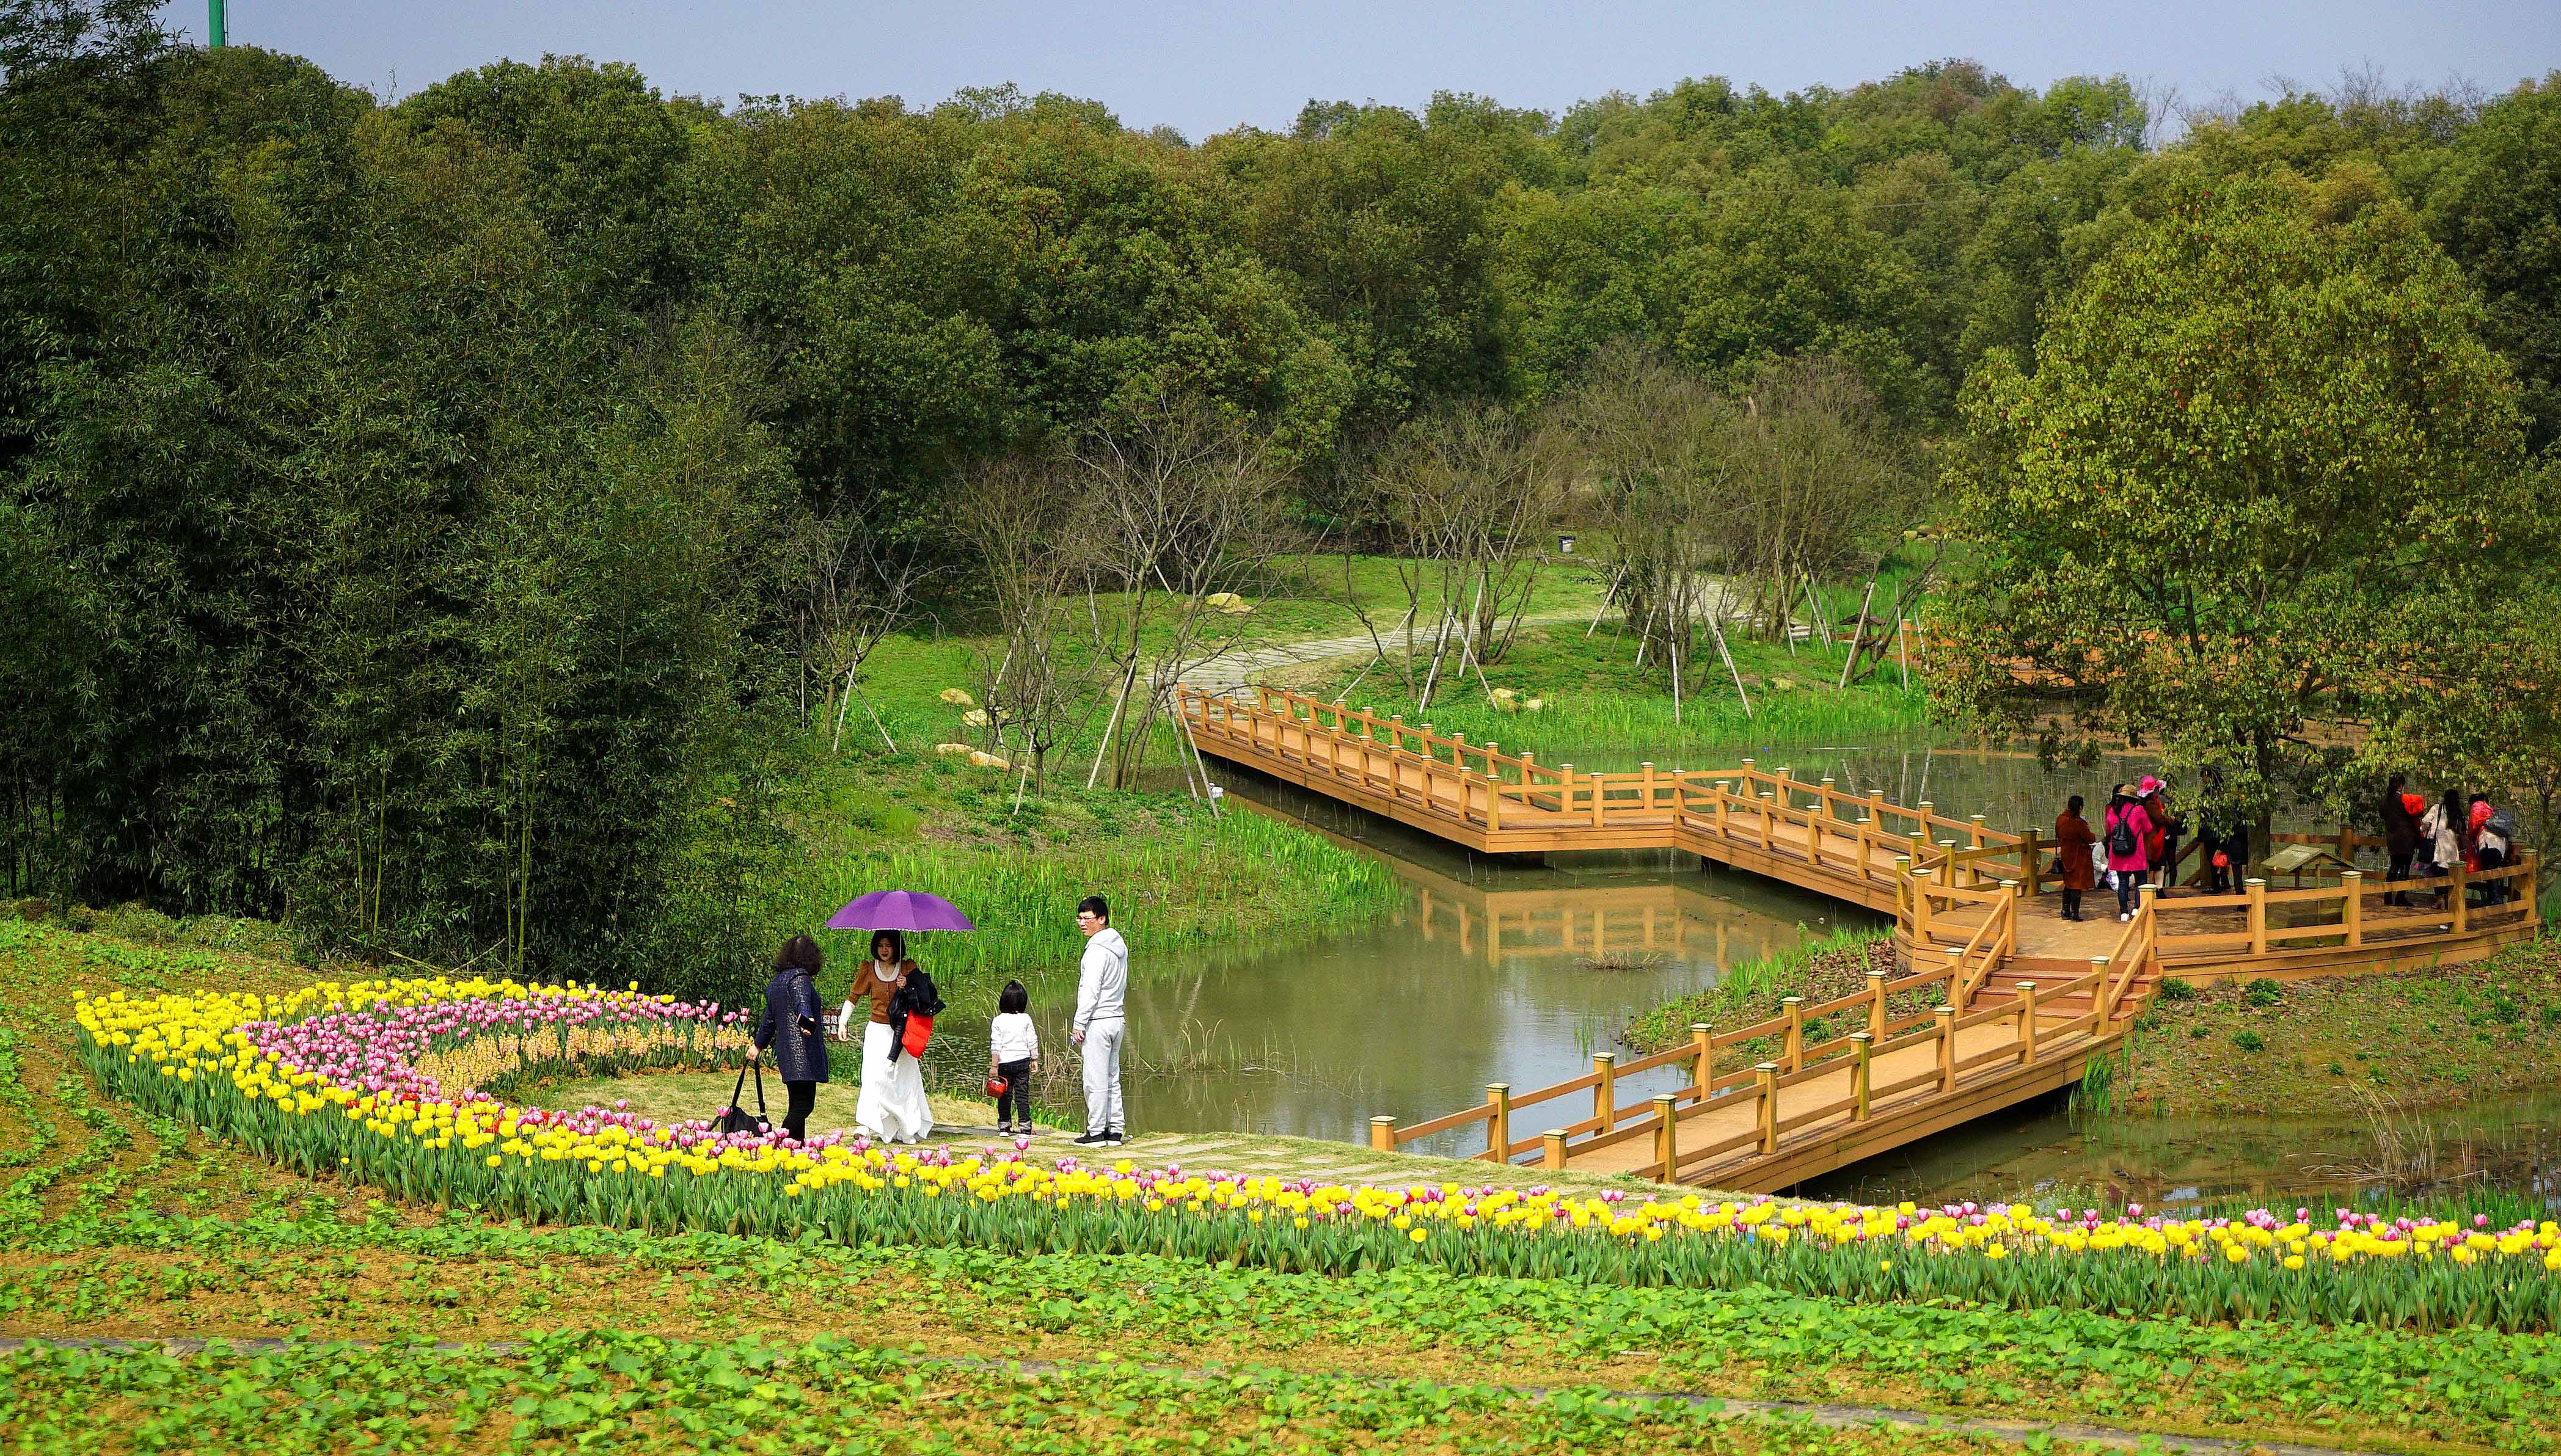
(1103, 979)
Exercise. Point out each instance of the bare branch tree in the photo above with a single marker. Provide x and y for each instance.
(854, 591)
(1018, 513)
(1182, 503)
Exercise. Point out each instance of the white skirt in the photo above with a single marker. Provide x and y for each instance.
(892, 1107)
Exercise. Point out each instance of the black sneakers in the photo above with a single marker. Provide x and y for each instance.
(1095, 1140)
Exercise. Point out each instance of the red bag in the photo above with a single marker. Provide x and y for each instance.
(997, 1086)
(919, 1029)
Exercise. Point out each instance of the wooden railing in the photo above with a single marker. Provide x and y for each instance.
(2352, 914)
(1514, 795)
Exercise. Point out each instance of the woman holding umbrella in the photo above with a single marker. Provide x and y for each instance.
(892, 1107)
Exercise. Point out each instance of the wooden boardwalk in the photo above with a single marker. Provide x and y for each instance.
(1996, 998)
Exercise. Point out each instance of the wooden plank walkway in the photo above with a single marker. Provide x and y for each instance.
(1999, 999)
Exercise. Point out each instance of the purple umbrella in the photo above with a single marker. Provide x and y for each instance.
(900, 909)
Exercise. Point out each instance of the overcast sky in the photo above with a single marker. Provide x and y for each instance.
(1203, 67)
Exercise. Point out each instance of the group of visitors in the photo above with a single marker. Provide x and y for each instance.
(2424, 840)
(2138, 837)
(902, 1002)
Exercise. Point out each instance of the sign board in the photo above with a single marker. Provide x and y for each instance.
(2301, 859)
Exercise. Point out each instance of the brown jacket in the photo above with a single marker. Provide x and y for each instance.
(2072, 841)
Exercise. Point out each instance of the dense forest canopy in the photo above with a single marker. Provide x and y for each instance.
(400, 503)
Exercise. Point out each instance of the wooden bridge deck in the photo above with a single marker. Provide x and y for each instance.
(2021, 998)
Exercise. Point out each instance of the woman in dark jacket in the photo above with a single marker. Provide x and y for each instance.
(790, 1028)
(2400, 836)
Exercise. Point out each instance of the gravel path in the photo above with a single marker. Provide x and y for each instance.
(1249, 665)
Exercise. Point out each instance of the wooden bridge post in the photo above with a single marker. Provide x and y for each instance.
(2461, 895)
(1647, 771)
(1382, 1134)
(1529, 778)
(1667, 1136)
(2256, 889)
(1597, 793)
(1920, 906)
(1823, 804)
(1975, 824)
(2027, 1023)
(2352, 914)
(1876, 810)
(1946, 1015)
(1604, 1094)
(1876, 1005)
(1493, 800)
(2103, 996)
(1703, 1046)
(1767, 1075)
(1860, 1075)
(1552, 1157)
(1498, 1125)
(2032, 859)
(1793, 1009)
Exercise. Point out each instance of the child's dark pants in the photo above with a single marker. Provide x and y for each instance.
(1017, 1102)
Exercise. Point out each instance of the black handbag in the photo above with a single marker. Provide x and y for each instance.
(735, 1118)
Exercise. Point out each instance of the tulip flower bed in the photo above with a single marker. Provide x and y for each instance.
(360, 1079)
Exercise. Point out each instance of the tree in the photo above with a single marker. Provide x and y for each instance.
(2259, 451)
(1664, 456)
(1181, 497)
(1467, 496)
(2498, 208)
(1019, 513)
(2480, 709)
(1818, 478)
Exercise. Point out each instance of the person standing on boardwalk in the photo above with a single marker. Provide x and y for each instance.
(1101, 1026)
(2161, 847)
(2442, 840)
(2072, 841)
(2400, 835)
(790, 1027)
(2127, 829)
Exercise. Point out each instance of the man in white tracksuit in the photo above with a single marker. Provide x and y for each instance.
(1101, 985)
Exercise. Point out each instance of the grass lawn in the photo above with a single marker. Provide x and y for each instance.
(2339, 1045)
(1599, 704)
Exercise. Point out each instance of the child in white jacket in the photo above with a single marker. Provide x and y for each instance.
(1013, 1054)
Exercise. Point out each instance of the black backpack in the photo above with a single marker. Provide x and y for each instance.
(2120, 836)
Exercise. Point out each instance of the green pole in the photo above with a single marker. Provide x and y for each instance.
(221, 30)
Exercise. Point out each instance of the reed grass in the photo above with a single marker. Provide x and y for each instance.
(1205, 880)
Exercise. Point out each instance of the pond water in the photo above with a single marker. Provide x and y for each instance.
(1501, 971)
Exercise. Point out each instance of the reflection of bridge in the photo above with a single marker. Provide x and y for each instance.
(2001, 998)
(1631, 923)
